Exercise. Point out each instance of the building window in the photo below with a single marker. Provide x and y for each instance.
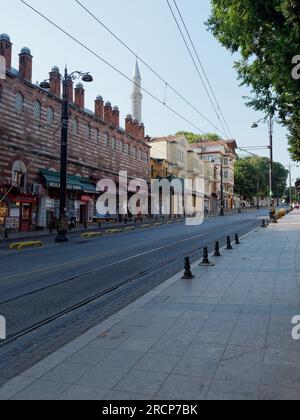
(119, 145)
(97, 135)
(37, 110)
(113, 143)
(125, 148)
(1, 93)
(106, 140)
(19, 106)
(50, 116)
(75, 126)
(89, 133)
(139, 154)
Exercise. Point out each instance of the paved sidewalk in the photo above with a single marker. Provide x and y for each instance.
(227, 334)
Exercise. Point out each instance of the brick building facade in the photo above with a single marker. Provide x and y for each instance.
(30, 120)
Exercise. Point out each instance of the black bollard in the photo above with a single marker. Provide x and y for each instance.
(187, 270)
(229, 246)
(217, 250)
(263, 224)
(5, 233)
(237, 240)
(205, 261)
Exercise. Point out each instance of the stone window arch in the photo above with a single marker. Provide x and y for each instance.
(75, 126)
(113, 143)
(37, 110)
(50, 115)
(19, 102)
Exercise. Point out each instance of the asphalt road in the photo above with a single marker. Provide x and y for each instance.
(38, 284)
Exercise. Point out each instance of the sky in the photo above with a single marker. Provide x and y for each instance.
(148, 28)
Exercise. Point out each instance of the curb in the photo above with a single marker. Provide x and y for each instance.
(21, 245)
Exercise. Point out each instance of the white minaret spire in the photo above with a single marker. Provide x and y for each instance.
(137, 97)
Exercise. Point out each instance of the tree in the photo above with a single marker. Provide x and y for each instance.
(191, 137)
(266, 33)
(196, 138)
(252, 178)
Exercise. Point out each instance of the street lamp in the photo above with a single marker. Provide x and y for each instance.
(222, 190)
(290, 179)
(85, 77)
(270, 122)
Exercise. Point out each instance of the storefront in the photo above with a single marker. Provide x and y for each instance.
(22, 212)
(4, 212)
(81, 200)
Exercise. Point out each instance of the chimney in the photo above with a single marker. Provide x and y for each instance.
(70, 90)
(135, 128)
(6, 50)
(79, 96)
(55, 82)
(25, 64)
(99, 107)
(108, 113)
(141, 131)
(128, 124)
(116, 116)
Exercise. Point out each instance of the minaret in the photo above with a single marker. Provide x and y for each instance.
(137, 97)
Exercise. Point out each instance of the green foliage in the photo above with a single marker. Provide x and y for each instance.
(195, 138)
(266, 33)
(252, 178)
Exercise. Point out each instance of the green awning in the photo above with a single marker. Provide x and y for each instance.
(74, 183)
(88, 188)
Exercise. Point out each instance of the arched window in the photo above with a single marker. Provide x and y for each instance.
(87, 131)
(113, 143)
(106, 140)
(97, 135)
(121, 146)
(37, 110)
(19, 174)
(19, 104)
(139, 154)
(125, 148)
(75, 126)
(50, 115)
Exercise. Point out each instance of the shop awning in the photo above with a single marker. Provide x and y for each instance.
(74, 183)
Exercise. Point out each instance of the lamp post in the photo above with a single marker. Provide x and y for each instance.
(270, 122)
(290, 168)
(86, 77)
(222, 190)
